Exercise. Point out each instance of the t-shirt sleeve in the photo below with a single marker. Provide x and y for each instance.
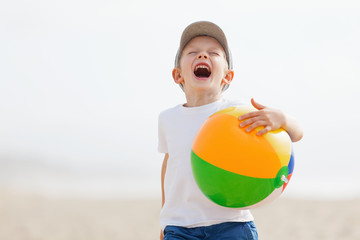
(162, 144)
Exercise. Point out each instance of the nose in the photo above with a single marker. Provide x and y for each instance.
(202, 56)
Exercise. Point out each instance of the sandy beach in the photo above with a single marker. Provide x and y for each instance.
(36, 217)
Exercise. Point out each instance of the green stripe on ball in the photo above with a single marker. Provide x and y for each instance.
(229, 189)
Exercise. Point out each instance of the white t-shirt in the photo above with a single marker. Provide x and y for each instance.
(185, 205)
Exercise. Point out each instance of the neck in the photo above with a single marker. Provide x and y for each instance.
(199, 99)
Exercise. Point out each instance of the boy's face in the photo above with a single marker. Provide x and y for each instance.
(203, 66)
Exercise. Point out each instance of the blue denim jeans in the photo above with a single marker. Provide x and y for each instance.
(222, 231)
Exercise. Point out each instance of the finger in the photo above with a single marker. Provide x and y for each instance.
(255, 125)
(249, 121)
(257, 105)
(249, 115)
(264, 131)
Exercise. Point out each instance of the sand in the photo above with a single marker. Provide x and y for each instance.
(36, 217)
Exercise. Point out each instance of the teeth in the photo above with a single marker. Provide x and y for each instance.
(201, 66)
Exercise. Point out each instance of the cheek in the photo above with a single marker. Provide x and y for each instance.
(222, 68)
(185, 64)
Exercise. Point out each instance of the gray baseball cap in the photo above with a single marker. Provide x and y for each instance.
(203, 28)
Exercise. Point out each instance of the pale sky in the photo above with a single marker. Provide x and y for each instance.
(82, 82)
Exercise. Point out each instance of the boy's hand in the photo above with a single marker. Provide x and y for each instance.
(269, 118)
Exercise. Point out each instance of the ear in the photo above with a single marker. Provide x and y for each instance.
(229, 75)
(176, 73)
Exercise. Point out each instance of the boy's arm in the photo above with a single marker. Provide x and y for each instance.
(271, 119)
(163, 171)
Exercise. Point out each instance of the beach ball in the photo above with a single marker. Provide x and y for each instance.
(237, 169)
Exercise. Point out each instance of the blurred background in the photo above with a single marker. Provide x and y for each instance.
(82, 84)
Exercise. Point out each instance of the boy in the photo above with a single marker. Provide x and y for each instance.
(203, 69)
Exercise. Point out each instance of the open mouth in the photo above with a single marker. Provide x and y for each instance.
(202, 70)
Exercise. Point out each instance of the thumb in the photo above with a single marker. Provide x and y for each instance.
(257, 105)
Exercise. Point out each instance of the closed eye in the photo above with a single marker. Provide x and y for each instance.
(214, 53)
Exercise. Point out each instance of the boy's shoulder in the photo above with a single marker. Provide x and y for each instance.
(170, 112)
(226, 103)
(232, 102)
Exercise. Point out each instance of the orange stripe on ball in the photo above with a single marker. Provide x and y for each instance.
(223, 143)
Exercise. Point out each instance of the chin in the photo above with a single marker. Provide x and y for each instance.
(207, 88)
